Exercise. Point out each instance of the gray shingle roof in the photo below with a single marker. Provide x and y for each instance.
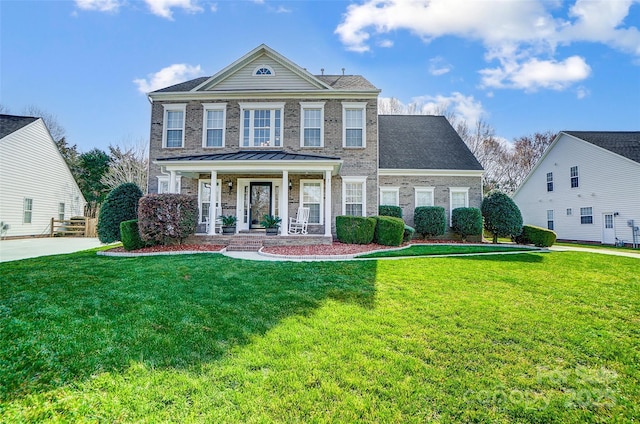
(422, 142)
(183, 86)
(251, 155)
(623, 143)
(347, 82)
(12, 123)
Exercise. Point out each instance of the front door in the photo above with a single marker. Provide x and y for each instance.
(260, 202)
(608, 229)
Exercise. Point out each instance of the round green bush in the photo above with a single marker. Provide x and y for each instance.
(388, 210)
(121, 205)
(430, 221)
(502, 217)
(389, 230)
(355, 229)
(466, 222)
(538, 236)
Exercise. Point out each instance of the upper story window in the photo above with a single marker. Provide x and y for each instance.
(173, 129)
(353, 124)
(549, 181)
(354, 196)
(263, 70)
(574, 177)
(214, 124)
(458, 198)
(261, 124)
(312, 124)
(424, 196)
(390, 196)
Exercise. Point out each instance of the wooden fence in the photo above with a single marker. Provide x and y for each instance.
(74, 227)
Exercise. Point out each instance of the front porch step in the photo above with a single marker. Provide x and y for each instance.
(245, 243)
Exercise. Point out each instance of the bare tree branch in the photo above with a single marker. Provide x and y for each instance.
(128, 163)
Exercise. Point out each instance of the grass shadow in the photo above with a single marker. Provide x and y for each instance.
(65, 318)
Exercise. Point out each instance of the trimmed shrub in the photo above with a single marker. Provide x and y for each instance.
(430, 221)
(537, 236)
(130, 235)
(355, 229)
(408, 233)
(502, 217)
(167, 218)
(389, 230)
(388, 210)
(120, 205)
(466, 222)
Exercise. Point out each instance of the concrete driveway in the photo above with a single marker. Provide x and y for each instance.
(13, 250)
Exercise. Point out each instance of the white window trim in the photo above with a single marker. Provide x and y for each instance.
(257, 68)
(302, 182)
(173, 107)
(395, 191)
(263, 106)
(416, 190)
(25, 210)
(163, 178)
(312, 105)
(201, 200)
(206, 108)
(354, 105)
(452, 190)
(577, 177)
(363, 181)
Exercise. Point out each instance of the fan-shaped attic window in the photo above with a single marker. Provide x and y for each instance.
(263, 70)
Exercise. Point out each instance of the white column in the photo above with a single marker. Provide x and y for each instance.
(212, 203)
(172, 181)
(327, 203)
(284, 204)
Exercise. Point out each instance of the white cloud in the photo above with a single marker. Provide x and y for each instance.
(99, 5)
(385, 43)
(467, 107)
(214, 7)
(534, 74)
(168, 76)
(282, 9)
(438, 66)
(582, 92)
(163, 8)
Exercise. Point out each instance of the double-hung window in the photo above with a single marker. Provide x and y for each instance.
(27, 211)
(389, 196)
(353, 124)
(213, 124)
(261, 124)
(312, 124)
(574, 177)
(173, 131)
(354, 196)
(586, 215)
(458, 198)
(61, 211)
(549, 181)
(311, 197)
(424, 196)
(550, 219)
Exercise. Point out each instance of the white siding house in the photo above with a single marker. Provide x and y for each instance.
(586, 187)
(35, 182)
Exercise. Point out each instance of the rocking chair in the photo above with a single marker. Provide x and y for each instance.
(298, 225)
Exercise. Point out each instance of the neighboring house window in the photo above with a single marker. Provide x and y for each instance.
(311, 197)
(173, 132)
(586, 215)
(263, 70)
(213, 124)
(574, 176)
(60, 211)
(354, 196)
(389, 196)
(312, 124)
(549, 181)
(458, 198)
(424, 196)
(163, 184)
(569, 212)
(550, 219)
(353, 124)
(261, 124)
(27, 211)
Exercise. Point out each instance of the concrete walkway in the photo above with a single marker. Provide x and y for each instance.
(604, 251)
(13, 250)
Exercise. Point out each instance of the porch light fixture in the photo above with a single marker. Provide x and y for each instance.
(230, 185)
(290, 184)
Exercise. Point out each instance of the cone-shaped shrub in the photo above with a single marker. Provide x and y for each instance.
(120, 205)
(502, 217)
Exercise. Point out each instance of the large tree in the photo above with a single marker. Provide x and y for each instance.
(128, 164)
(90, 169)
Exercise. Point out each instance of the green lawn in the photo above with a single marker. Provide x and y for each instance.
(445, 249)
(527, 337)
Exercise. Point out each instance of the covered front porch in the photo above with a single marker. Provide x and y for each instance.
(251, 184)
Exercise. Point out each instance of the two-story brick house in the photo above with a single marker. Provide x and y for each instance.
(274, 137)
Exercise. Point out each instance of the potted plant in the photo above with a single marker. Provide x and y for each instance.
(271, 224)
(228, 224)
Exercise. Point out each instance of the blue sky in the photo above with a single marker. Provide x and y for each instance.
(522, 66)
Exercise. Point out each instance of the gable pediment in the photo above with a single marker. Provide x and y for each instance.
(263, 70)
